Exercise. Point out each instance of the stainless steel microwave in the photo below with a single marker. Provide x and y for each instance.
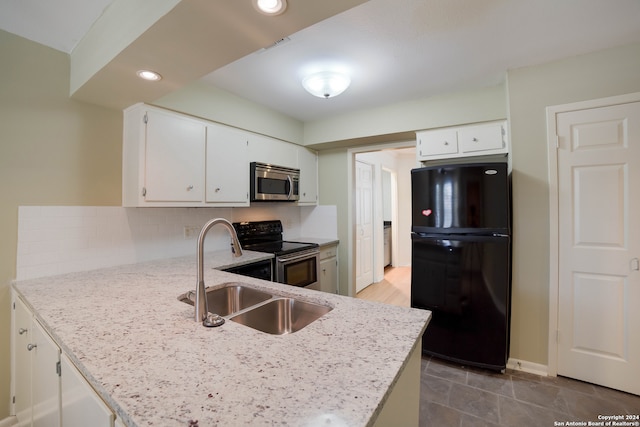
(270, 183)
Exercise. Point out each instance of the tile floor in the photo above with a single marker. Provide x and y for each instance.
(454, 396)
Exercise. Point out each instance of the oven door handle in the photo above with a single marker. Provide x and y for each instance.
(283, 260)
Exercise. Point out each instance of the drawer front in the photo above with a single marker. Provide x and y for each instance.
(328, 252)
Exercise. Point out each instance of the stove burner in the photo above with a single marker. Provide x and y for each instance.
(266, 236)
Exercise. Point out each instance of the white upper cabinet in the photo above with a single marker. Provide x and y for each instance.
(272, 151)
(437, 143)
(308, 164)
(227, 168)
(163, 158)
(175, 160)
(175, 148)
(462, 141)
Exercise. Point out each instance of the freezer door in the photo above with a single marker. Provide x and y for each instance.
(460, 199)
(465, 282)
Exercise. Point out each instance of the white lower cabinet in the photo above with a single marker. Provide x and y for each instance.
(81, 406)
(329, 268)
(45, 381)
(36, 380)
(21, 373)
(48, 391)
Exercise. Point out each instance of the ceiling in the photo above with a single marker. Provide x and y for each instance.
(394, 50)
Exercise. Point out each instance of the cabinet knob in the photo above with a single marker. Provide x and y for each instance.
(217, 190)
(22, 331)
(31, 346)
(189, 188)
(475, 139)
(446, 143)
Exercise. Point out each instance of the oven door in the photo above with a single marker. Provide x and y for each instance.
(299, 269)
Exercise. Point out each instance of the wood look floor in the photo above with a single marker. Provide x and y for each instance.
(395, 289)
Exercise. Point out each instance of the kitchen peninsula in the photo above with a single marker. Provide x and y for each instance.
(142, 352)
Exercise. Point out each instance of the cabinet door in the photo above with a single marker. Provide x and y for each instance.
(81, 406)
(329, 269)
(437, 143)
(22, 362)
(308, 163)
(227, 166)
(329, 275)
(45, 381)
(174, 156)
(272, 151)
(481, 138)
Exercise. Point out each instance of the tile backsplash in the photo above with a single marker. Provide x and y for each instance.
(63, 239)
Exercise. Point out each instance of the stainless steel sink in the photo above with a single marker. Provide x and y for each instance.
(231, 298)
(281, 316)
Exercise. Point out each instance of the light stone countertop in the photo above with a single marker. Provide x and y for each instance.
(141, 350)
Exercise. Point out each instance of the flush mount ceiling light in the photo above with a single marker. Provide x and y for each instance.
(326, 84)
(149, 75)
(270, 7)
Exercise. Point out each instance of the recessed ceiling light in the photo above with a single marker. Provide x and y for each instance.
(270, 7)
(149, 75)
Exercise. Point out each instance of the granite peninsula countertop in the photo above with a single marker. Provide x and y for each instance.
(141, 350)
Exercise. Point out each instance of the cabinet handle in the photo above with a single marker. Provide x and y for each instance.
(635, 264)
(22, 331)
(31, 346)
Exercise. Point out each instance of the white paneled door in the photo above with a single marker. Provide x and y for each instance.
(599, 245)
(364, 225)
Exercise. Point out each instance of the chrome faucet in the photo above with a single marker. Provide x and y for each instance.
(201, 306)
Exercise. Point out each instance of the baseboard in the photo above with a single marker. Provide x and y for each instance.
(529, 367)
(9, 422)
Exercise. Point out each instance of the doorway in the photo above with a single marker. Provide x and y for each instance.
(594, 157)
(391, 164)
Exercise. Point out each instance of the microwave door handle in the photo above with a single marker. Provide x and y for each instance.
(290, 187)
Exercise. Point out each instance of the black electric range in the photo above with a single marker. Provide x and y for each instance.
(266, 236)
(295, 263)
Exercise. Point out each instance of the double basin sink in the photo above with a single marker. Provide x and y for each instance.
(260, 310)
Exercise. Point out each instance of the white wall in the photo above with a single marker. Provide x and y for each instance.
(531, 90)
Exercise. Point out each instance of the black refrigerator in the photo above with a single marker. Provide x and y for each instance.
(461, 261)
